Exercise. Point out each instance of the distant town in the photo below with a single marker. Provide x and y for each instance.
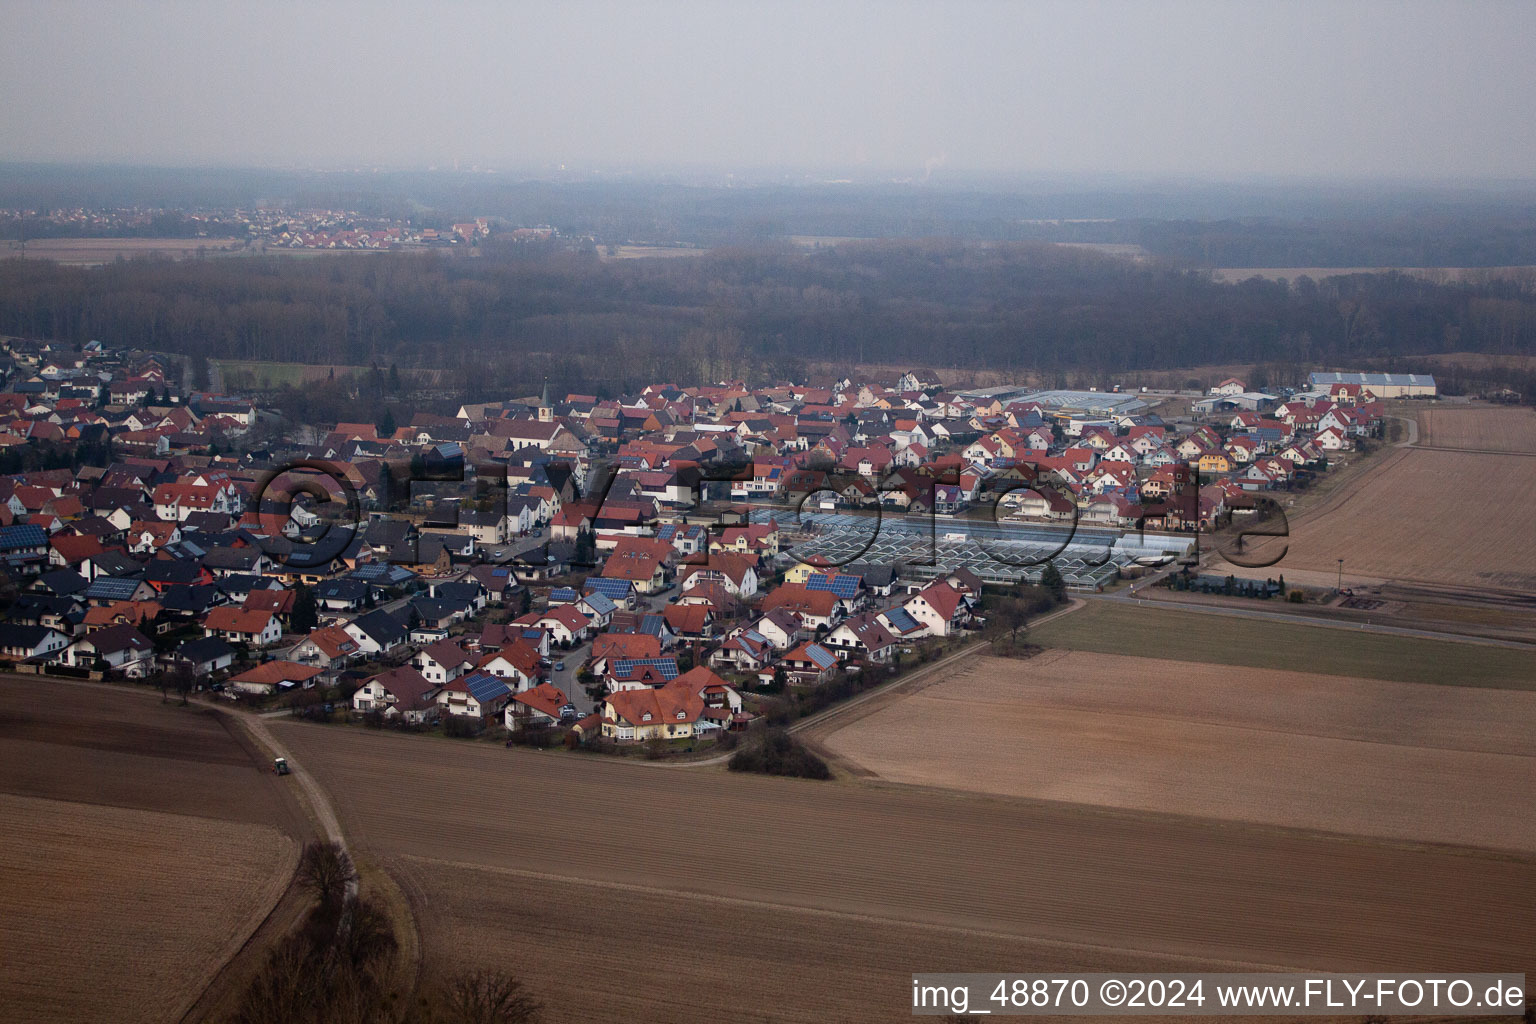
(261, 228)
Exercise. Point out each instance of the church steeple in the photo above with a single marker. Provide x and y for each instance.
(546, 411)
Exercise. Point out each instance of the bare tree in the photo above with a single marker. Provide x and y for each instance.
(326, 871)
(488, 997)
(184, 680)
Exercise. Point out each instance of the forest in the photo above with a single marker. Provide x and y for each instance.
(513, 315)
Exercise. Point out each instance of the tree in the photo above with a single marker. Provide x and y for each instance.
(306, 610)
(488, 996)
(394, 378)
(1012, 616)
(1052, 581)
(386, 425)
(326, 871)
(184, 680)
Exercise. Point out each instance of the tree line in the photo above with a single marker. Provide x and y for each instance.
(759, 312)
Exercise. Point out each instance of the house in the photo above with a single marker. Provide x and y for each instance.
(722, 704)
(864, 637)
(117, 648)
(519, 663)
(690, 621)
(940, 608)
(621, 646)
(737, 574)
(341, 595)
(500, 582)
(204, 656)
(639, 673)
(809, 664)
(237, 625)
(780, 627)
(271, 676)
(376, 632)
(564, 623)
(539, 706)
(26, 642)
(329, 647)
(664, 713)
(478, 695)
(401, 692)
(747, 650)
(1230, 386)
(442, 662)
(816, 609)
(597, 608)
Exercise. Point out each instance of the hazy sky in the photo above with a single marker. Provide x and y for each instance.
(1410, 89)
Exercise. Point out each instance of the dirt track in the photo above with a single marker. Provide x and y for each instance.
(492, 838)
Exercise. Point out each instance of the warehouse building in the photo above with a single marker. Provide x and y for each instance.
(1382, 385)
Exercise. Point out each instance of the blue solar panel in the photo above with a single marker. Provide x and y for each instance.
(821, 656)
(24, 535)
(666, 667)
(612, 589)
(563, 595)
(484, 687)
(842, 584)
(901, 620)
(112, 588)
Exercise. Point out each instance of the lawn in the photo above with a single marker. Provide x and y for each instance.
(1148, 632)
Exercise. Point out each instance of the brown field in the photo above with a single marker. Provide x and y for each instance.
(1495, 428)
(611, 885)
(90, 252)
(145, 842)
(1448, 517)
(111, 913)
(1354, 756)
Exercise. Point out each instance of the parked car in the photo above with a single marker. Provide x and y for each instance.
(568, 711)
(559, 666)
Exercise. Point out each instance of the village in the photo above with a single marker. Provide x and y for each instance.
(620, 572)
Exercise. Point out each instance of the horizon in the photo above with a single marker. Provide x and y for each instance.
(1413, 92)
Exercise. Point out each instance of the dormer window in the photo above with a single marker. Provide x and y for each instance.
(681, 716)
(645, 717)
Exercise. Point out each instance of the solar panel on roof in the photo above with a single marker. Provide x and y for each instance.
(613, 589)
(486, 687)
(821, 656)
(665, 667)
(842, 584)
(901, 620)
(112, 588)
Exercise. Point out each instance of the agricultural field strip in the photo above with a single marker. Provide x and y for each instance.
(1487, 429)
(1269, 730)
(806, 967)
(740, 903)
(1406, 762)
(1035, 869)
(1195, 634)
(170, 928)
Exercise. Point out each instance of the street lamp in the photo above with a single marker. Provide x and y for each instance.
(1340, 587)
